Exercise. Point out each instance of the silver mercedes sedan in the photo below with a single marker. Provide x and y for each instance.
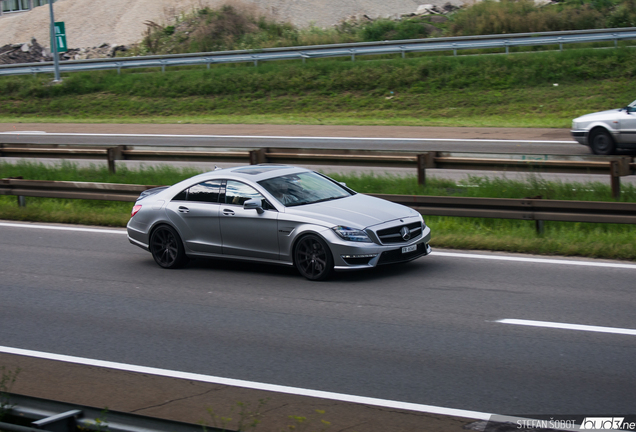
(275, 214)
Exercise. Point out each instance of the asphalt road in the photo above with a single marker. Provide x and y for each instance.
(426, 332)
(407, 138)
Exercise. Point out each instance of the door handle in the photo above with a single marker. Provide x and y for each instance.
(183, 209)
(228, 212)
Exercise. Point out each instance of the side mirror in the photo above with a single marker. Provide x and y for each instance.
(254, 204)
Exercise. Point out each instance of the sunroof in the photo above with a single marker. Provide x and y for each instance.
(259, 169)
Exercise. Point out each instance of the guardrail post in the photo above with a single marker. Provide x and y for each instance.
(616, 179)
(421, 170)
(21, 199)
(258, 156)
(113, 154)
(424, 160)
(539, 225)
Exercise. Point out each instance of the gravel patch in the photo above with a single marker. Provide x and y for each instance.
(91, 23)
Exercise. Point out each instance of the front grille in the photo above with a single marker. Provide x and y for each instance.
(396, 255)
(393, 235)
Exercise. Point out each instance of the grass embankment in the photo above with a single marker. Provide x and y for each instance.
(525, 90)
(545, 89)
(612, 241)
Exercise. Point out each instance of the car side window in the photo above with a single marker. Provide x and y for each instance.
(202, 192)
(237, 193)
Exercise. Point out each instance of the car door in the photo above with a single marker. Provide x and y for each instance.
(195, 213)
(248, 232)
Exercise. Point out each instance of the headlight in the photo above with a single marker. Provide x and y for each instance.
(351, 234)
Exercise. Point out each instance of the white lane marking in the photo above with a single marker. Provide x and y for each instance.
(250, 384)
(288, 137)
(62, 228)
(24, 132)
(565, 326)
(535, 260)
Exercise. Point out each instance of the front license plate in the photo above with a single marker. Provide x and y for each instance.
(407, 249)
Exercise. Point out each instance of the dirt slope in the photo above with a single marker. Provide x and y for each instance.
(91, 23)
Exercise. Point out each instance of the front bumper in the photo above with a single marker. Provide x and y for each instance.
(350, 255)
(580, 136)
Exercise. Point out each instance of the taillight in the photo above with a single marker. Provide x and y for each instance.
(135, 210)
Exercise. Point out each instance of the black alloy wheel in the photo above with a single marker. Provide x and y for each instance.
(167, 248)
(602, 143)
(312, 258)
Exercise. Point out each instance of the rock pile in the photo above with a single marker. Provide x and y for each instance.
(430, 9)
(102, 51)
(437, 14)
(31, 52)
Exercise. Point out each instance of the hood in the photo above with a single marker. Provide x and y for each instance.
(357, 211)
(601, 115)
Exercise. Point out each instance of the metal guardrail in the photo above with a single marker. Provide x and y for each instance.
(520, 209)
(615, 166)
(337, 50)
(499, 208)
(49, 415)
(71, 190)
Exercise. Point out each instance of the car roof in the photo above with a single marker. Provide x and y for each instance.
(253, 173)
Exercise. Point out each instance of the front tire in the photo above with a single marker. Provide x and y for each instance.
(602, 143)
(167, 248)
(313, 258)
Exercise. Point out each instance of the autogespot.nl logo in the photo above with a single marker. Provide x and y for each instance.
(607, 423)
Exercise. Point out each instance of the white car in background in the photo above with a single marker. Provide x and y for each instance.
(606, 131)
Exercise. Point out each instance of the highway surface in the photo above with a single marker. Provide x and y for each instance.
(486, 332)
(394, 138)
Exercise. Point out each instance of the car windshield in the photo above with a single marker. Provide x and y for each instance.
(304, 188)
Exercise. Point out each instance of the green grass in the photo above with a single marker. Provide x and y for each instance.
(496, 90)
(69, 171)
(611, 241)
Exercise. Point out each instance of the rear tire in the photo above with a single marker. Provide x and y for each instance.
(313, 258)
(602, 143)
(167, 248)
